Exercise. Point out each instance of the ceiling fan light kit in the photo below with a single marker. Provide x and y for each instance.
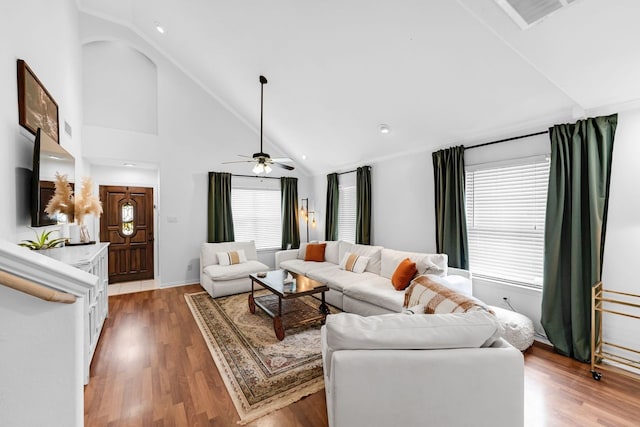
(262, 160)
(261, 168)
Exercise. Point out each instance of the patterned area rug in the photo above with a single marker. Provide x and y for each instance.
(261, 373)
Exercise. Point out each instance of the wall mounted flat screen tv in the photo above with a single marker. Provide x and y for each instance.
(49, 158)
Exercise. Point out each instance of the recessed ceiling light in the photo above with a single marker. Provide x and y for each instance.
(304, 157)
(159, 28)
(128, 164)
(384, 129)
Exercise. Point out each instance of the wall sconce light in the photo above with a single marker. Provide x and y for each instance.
(306, 213)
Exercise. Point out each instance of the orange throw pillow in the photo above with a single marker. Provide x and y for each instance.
(315, 252)
(404, 274)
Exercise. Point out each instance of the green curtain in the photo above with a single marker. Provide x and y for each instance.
(331, 219)
(219, 218)
(575, 227)
(451, 216)
(290, 225)
(363, 205)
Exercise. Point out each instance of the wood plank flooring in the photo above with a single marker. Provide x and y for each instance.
(153, 368)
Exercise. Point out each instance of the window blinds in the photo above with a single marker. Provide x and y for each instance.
(257, 216)
(347, 214)
(505, 207)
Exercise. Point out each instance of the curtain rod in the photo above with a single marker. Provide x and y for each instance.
(342, 173)
(352, 171)
(506, 139)
(256, 176)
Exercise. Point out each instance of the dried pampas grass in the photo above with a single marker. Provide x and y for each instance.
(86, 202)
(62, 200)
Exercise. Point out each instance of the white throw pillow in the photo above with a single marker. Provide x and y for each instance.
(302, 250)
(354, 262)
(331, 252)
(231, 257)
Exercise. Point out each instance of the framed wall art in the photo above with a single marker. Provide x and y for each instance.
(36, 106)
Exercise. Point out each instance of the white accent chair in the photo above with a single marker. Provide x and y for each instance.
(220, 280)
(421, 370)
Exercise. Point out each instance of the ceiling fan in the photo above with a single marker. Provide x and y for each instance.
(262, 160)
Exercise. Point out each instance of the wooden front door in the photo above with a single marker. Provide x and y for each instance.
(127, 223)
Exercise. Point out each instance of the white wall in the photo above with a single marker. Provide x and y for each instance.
(403, 214)
(41, 361)
(120, 87)
(196, 133)
(622, 244)
(44, 34)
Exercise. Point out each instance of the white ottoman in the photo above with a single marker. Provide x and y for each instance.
(518, 328)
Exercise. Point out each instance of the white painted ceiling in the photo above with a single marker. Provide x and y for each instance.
(438, 72)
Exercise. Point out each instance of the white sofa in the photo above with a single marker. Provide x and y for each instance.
(220, 280)
(421, 370)
(370, 292)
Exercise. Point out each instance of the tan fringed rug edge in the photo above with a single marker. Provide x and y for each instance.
(277, 402)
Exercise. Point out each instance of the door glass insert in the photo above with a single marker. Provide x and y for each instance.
(127, 219)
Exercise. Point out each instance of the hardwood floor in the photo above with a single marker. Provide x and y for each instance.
(153, 368)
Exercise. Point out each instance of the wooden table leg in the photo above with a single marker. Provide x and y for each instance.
(278, 327)
(252, 302)
(324, 309)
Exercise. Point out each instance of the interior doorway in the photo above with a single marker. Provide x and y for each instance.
(127, 223)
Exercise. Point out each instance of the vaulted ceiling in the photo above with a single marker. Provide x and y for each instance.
(437, 72)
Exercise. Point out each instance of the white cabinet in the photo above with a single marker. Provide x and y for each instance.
(94, 260)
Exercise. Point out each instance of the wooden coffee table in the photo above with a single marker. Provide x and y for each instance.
(283, 304)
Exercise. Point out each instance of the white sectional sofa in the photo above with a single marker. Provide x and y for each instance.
(370, 292)
(220, 280)
(385, 367)
(421, 370)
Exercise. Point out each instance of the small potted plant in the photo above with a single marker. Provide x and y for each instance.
(43, 241)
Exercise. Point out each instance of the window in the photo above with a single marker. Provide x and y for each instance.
(256, 216)
(505, 206)
(127, 219)
(347, 214)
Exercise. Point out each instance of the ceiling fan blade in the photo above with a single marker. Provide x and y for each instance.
(239, 161)
(282, 159)
(283, 166)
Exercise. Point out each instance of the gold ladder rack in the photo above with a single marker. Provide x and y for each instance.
(602, 350)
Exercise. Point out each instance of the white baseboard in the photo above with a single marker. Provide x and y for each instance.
(176, 284)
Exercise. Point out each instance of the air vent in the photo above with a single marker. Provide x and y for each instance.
(529, 12)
